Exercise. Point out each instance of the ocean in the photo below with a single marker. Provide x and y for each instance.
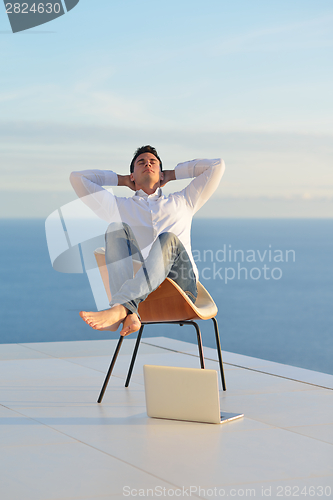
(270, 278)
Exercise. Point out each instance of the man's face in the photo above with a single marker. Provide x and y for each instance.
(146, 169)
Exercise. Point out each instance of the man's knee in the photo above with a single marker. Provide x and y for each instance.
(117, 226)
(168, 237)
(117, 231)
(171, 246)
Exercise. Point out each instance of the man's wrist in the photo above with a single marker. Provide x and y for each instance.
(122, 180)
(169, 175)
(125, 180)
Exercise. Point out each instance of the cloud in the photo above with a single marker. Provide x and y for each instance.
(312, 33)
(40, 156)
(40, 204)
(14, 95)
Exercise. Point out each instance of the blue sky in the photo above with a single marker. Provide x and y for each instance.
(247, 81)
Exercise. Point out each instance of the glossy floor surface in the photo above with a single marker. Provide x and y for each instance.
(57, 443)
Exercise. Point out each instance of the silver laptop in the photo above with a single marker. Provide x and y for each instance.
(184, 394)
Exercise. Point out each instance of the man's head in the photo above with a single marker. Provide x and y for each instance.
(140, 151)
(146, 169)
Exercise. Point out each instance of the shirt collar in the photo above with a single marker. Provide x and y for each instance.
(153, 196)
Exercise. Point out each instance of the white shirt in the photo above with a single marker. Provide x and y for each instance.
(151, 215)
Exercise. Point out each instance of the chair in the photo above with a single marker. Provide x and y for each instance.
(167, 304)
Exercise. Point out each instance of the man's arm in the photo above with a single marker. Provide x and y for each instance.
(125, 180)
(88, 185)
(91, 181)
(168, 175)
(207, 173)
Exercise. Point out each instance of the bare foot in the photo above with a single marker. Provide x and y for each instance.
(109, 319)
(131, 324)
(112, 328)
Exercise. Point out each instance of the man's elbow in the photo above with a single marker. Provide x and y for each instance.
(220, 166)
(73, 178)
(221, 163)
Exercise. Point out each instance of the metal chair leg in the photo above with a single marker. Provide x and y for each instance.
(219, 352)
(135, 352)
(196, 326)
(106, 381)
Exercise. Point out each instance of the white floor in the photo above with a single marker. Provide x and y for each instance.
(57, 443)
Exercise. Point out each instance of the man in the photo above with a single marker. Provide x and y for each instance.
(149, 228)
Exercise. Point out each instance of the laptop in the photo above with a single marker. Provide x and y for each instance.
(190, 394)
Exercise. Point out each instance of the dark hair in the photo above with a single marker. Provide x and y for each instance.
(140, 151)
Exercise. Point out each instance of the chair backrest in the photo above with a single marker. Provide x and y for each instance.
(168, 302)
